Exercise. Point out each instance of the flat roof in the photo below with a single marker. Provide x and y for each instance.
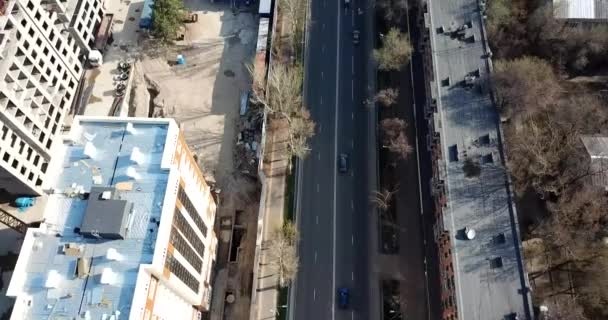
(490, 280)
(123, 155)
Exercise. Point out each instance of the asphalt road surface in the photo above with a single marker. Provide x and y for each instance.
(333, 208)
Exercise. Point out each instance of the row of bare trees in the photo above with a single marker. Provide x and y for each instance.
(544, 126)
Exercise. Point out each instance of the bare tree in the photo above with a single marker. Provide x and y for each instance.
(393, 137)
(395, 52)
(382, 199)
(387, 97)
(282, 98)
(282, 252)
(563, 308)
(393, 10)
(524, 86)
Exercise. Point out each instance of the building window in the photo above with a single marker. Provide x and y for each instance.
(49, 143)
(21, 147)
(186, 229)
(6, 157)
(29, 153)
(77, 68)
(45, 26)
(45, 51)
(26, 45)
(31, 32)
(38, 42)
(23, 22)
(30, 176)
(38, 182)
(23, 170)
(53, 60)
(44, 166)
(36, 160)
(79, 27)
(30, 5)
(13, 140)
(180, 244)
(4, 132)
(52, 35)
(15, 164)
(185, 200)
(181, 272)
(37, 15)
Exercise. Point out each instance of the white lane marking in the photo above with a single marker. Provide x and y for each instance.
(322, 48)
(315, 257)
(352, 276)
(353, 65)
(317, 219)
(352, 204)
(352, 115)
(319, 155)
(353, 18)
(320, 128)
(317, 188)
(321, 102)
(352, 90)
(314, 294)
(352, 315)
(352, 239)
(352, 144)
(321, 75)
(323, 26)
(333, 273)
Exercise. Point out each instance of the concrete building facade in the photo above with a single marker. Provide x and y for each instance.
(128, 227)
(41, 63)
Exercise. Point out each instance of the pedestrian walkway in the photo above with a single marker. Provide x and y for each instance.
(276, 166)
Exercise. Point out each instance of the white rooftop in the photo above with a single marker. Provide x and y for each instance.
(48, 272)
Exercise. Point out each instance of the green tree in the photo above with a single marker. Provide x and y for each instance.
(395, 52)
(168, 19)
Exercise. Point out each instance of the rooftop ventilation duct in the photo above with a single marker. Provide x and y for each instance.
(113, 255)
(90, 150)
(107, 276)
(132, 173)
(106, 195)
(137, 156)
(52, 279)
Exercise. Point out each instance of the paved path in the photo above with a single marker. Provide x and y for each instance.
(275, 170)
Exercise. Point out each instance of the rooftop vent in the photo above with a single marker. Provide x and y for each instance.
(52, 279)
(496, 262)
(106, 195)
(83, 267)
(107, 276)
(132, 173)
(112, 254)
(500, 239)
(90, 150)
(137, 156)
(130, 128)
(72, 249)
(469, 233)
(89, 136)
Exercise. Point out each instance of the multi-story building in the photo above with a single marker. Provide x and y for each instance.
(41, 55)
(128, 228)
(482, 272)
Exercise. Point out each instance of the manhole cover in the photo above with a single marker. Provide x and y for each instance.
(229, 73)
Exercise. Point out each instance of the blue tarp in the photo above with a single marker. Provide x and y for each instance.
(145, 22)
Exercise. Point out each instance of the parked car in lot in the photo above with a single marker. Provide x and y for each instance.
(343, 297)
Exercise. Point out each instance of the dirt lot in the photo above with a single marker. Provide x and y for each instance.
(203, 95)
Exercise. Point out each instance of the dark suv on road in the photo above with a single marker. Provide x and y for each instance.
(343, 297)
(343, 163)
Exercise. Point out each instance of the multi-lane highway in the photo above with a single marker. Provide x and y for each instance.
(333, 208)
